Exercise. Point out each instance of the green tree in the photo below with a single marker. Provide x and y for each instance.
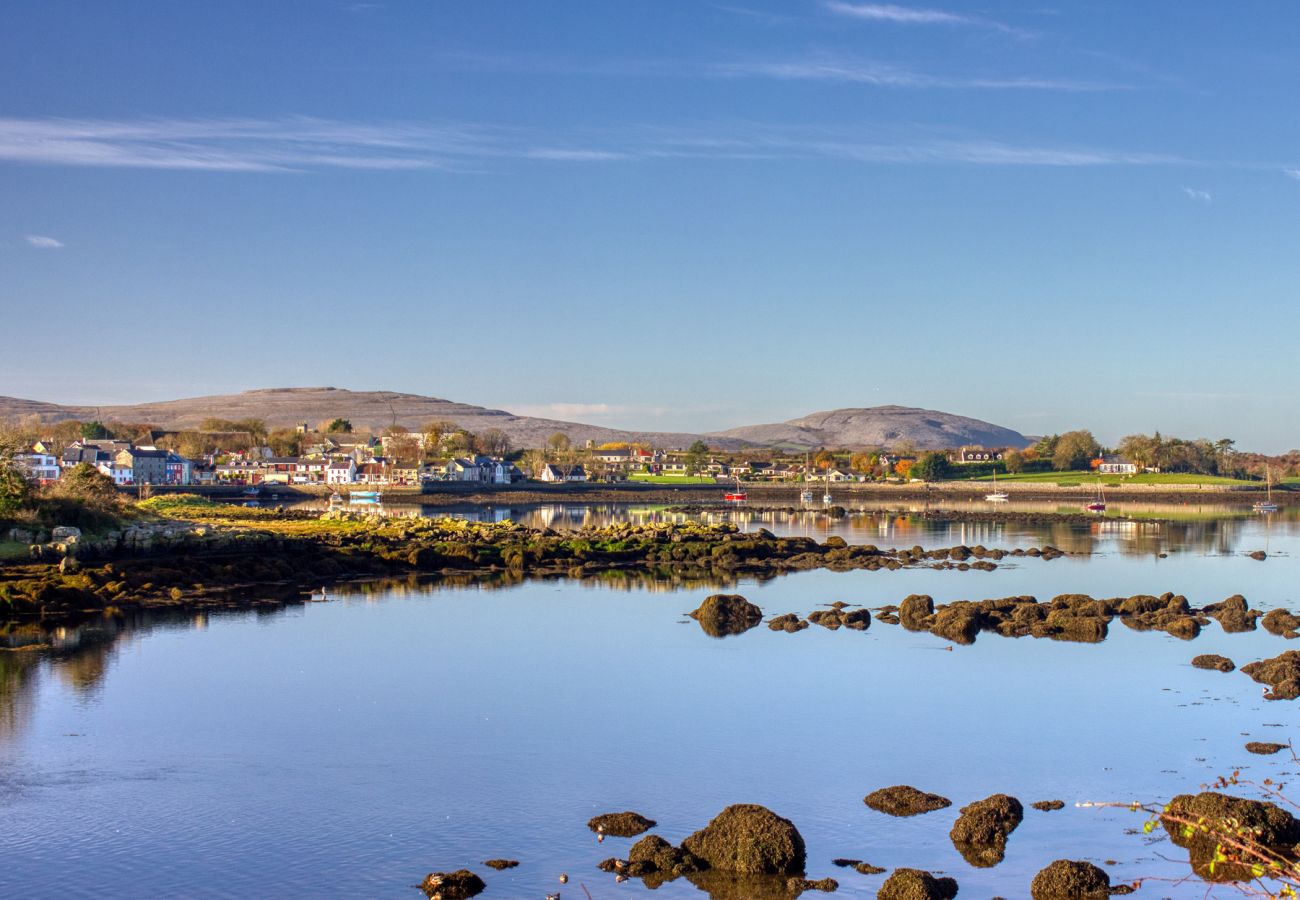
(1074, 450)
(339, 426)
(558, 442)
(94, 431)
(932, 466)
(1014, 461)
(695, 457)
(284, 442)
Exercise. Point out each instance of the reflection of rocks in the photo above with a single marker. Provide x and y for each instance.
(749, 839)
(452, 885)
(721, 885)
(1068, 879)
(1281, 673)
(726, 614)
(914, 884)
(905, 800)
(621, 824)
(1213, 661)
(1270, 826)
(980, 832)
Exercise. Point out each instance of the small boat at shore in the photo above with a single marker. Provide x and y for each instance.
(997, 496)
(1099, 503)
(736, 496)
(1266, 505)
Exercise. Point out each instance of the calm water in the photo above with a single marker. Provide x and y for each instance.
(345, 749)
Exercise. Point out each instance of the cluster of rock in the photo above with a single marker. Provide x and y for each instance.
(1199, 822)
(1067, 617)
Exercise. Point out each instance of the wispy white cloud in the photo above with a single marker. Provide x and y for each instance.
(914, 15)
(1198, 195)
(1292, 173)
(45, 243)
(887, 75)
(297, 145)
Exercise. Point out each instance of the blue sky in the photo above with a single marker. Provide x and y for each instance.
(668, 215)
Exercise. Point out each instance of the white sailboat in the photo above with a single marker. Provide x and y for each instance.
(1266, 505)
(997, 496)
(806, 496)
(826, 497)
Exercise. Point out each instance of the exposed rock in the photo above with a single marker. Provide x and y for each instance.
(621, 824)
(905, 800)
(1049, 805)
(1281, 623)
(63, 533)
(1233, 614)
(1281, 673)
(749, 839)
(1264, 748)
(867, 868)
(825, 885)
(959, 622)
(725, 614)
(914, 884)
(789, 623)
(980, 832)
(915, 610)
(1272, 827)
(1068, 879)
(501, 864)
(1213, 661)
(456, 885)
(1259, 555)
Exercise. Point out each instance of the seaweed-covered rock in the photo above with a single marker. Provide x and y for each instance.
(725, 614)
(788, 623)
(1213, 661)
(1068, 879)
(1233, 614)
(1282, 623)
(621, 824)
(825, 885)
(1269, 824)
(1048, 805)
(914, 611)
(905, 800)
(749, 839)
(914, 884)
(501, 864)
(1258, 555)
(959, 622)
(980, 832)
(1265, 748)
(1281, 673)
(867, 868)
(456, 885)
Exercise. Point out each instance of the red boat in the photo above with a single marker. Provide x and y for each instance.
(1096, 507)
(736, 496)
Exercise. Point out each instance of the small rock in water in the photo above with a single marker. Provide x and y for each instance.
(867, 868)
(1067, 878)
(905, 800)
(501, 864)
(1213, 661)
(1264, 748)
(749, 839)
(1259, 555)
(980, 832)
(458, 885)
(1049, 805)
(621, 824)
(914, 884)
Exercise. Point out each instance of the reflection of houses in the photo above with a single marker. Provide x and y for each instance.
(1116, 465)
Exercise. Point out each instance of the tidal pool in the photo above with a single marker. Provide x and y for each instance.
(347, 748)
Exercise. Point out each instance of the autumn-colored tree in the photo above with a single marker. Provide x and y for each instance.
(824, 459)
(863, 463)
(284, 442)
(557, 442)
(493, 442)
(1074, 450)
(903, 468)
(1014, 460)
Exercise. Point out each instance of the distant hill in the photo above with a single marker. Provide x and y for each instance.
(366, 410)
(878, 426)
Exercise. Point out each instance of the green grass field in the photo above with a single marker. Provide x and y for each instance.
(1078, 477)
(669, 479)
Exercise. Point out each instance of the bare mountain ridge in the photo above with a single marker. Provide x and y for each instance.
(878, 426)
(376, 410)
(366, 410)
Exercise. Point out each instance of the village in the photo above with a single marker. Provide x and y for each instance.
(422, 458)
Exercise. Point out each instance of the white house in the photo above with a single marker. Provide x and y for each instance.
(1116, 465)
(341, 471)
(41, 468)
(553, 473)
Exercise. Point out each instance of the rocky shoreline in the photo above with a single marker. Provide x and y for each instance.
(195, 554)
